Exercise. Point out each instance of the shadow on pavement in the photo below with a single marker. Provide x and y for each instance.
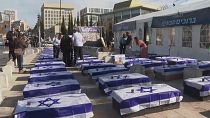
(10, 101)
(101, 110)
(18, 87)
(25, 78)
(206, 113)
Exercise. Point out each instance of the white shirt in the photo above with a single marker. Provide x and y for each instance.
(56, 42)
(78, 39)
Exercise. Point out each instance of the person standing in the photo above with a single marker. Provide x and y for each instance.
(67, 49)
(129, 40)
(143, 48)
(78, 42)
(11, 35)
(56, 46)
(19, 47)
(123, 44)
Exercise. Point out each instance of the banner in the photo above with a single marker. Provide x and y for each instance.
(197, 17)
(127, 26)
(91, 36)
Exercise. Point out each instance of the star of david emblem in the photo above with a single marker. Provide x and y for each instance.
(48, 102)
(53, 83)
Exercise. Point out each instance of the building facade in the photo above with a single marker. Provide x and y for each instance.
(88, 12)
(21, 25)
(126, 10)
(10, 15)
(52, 14)
(179, 31)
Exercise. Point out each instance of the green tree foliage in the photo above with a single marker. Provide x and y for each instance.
(63, 27)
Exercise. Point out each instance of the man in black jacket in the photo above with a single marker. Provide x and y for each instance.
(11, 35)
(67, 49)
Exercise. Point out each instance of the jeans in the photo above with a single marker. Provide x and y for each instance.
(12, 55)
(122, 48)
(78, 53)
(20, 62)
(56, 51)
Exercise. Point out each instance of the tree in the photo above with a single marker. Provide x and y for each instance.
(78, 22)
(87, 21)
(63, 27)
(69, 25)
(91, 20)
(72, 25)
(82, 21)
(75, 21)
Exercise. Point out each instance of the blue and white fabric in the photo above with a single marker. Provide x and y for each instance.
(166, 58)
(91, 61)
(170, 69)
(134, 99)
(89, 58)
(202, 84)
(50, 63)
(60, 106)
(44, 69)
(114, 82)
(95, 73)
(42, 77)
(130, 62)
(35, 89)
(186, 61)
(86, 67)
(150, 64)
(205, 65)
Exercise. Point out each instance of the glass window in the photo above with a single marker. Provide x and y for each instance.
(171, 36)
(205, 36)
(159, 36)
(187, 36)
(45, 11)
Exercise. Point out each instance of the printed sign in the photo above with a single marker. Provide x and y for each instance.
(182, 19)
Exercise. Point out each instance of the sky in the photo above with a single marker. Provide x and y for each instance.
(29, 9)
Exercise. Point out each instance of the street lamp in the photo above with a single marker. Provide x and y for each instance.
(60, 18)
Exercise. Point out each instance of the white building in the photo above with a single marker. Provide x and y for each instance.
(179, 31)
(50, 14)
(86, 13)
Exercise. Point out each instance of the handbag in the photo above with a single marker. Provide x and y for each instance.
(18, 51)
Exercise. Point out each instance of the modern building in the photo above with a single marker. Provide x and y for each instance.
(10, 15)
(4, 28)
(20, 25)
(51, 16)
(125, 10)
(178, 31)
(88, 12)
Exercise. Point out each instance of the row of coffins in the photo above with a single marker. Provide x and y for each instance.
(52, 92)
(131, 93)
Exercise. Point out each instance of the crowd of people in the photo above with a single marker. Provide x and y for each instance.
(17, 43)
(126, 42)
(70, 45)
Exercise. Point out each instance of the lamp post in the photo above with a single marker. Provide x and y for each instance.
(60, 18)
(39, 31)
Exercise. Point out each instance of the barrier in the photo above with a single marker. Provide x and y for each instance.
(3, 80)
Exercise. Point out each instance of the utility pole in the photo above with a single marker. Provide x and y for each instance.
(60, 17)
(39, 31)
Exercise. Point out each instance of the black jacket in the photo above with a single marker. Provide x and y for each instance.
(66, 44)
(10, 38)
